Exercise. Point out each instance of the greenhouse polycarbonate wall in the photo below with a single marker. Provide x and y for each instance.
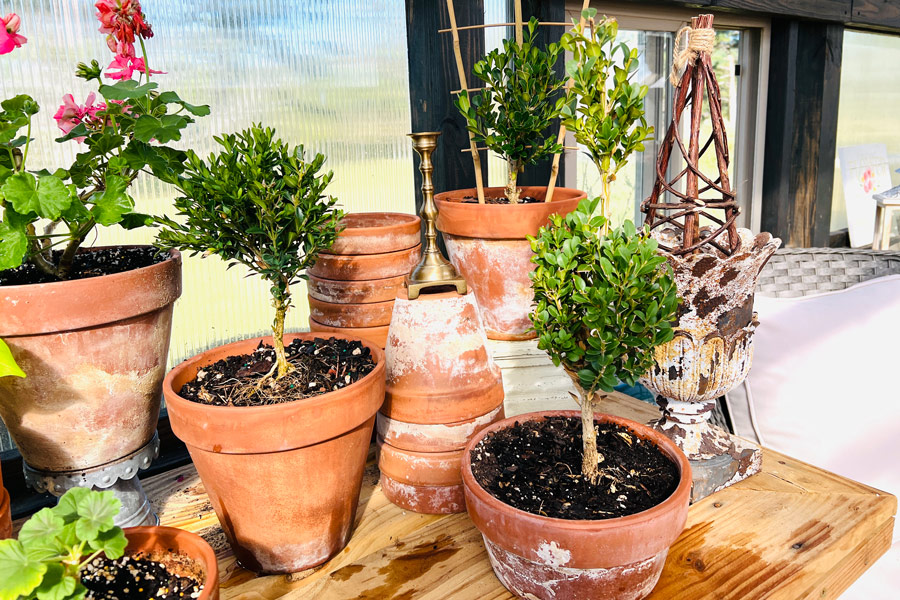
(329, 74)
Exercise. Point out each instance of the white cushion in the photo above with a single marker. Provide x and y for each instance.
(823, 388)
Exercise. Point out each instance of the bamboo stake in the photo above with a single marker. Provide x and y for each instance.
(554, 168)
(476, 160)
(518, 11)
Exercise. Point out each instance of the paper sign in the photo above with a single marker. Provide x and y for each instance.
(864, 173)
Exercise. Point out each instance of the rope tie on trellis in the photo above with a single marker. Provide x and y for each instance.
(689, 44)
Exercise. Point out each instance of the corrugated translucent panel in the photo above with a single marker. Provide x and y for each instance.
(330, 74)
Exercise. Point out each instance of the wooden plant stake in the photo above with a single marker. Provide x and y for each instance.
(666, 206)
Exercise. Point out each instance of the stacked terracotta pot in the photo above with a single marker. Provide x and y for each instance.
(442, 388)
(353, 286)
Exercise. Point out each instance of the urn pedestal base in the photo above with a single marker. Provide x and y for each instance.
(718, 459)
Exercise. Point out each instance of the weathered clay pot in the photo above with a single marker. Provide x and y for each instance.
(356, 267)
(160, 543)
(487, 244)
(373, 314)
(376, 335)
(439, 369)
(376, 233)
(425, 499)
(95, 353)
(440, 437)
(419, 468)
(354, 292)
(613, 559)
(284, 479)
(5, 514)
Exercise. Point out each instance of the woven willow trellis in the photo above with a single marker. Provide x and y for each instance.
(461, 71)
(666, 205)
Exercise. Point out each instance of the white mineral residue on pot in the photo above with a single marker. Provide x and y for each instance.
(451, 433)
(430, 328)
(553, 555)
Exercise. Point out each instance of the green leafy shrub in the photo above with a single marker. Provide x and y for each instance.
(518, 103)
(259, 203)
(602, 303)
(56, 543)
(604, 109)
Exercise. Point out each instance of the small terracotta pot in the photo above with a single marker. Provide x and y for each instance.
(376, 233)
(487, 244)
(95, 353)
(542, 557)
(419, 468)
(5, 512)
(376, 335)
(375, 314)
(160, 543)
(284, 479)
(440, 437)
(354, 292)
(358, 267)
(439, 369)
(425, 499)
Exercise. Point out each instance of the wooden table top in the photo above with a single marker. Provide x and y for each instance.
(792, 531)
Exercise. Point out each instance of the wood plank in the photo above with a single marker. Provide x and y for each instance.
(801, 129)
(883, 14)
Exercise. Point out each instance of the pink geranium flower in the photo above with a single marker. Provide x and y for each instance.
(127, 64)
(9, 38)
(122, 20)
(71, 114)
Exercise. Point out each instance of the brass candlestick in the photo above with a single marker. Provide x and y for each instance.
(433, 269)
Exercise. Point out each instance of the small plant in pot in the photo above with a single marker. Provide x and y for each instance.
(278, 427)
(74, 551)
(511, 115)
(90, 326)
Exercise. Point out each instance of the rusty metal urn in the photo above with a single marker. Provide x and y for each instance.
(693, 215)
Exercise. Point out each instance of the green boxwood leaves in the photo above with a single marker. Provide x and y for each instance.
(602, 303)
(55, 543)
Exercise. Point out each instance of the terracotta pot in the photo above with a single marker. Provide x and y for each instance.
(366, 266)
(355, 292)
(5, 514)
(541, 557)
(376, 233)
(419, 468)
(439, 437)
(439, 369)
(160, 543)
(375, 314)
(425, 499)
(95, 353)
(376, 335)
(284, 479)
(487, 244)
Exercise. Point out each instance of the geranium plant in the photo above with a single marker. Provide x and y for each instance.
(48, 214)
(260, 203)
(604, 108)
(519, 101)
(55, 544)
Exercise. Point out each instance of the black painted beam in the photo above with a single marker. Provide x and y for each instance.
(801, 128)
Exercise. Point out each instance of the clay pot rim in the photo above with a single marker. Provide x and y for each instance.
(163, 535)
(582, 525)
(111, 279)
(201, 362)
(349, 305)
(365, 257)
(403, 221)
(377, 281)
(373, 328)
(560, 194)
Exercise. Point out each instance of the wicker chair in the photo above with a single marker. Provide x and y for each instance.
(794, 272)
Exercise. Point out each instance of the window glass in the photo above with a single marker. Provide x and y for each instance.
(870, 90)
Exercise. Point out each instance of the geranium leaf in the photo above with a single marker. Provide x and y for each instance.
(113, 202)
(56, 584)
(47, 196)
(96, 512)
(43, 524)
(112, 542)
(19, 574)
(8, 364)
(13, 245)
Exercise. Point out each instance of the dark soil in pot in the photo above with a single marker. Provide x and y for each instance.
(320, 366)
(135, 577)
(500, 200)
(535, 466)
(89, 263)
